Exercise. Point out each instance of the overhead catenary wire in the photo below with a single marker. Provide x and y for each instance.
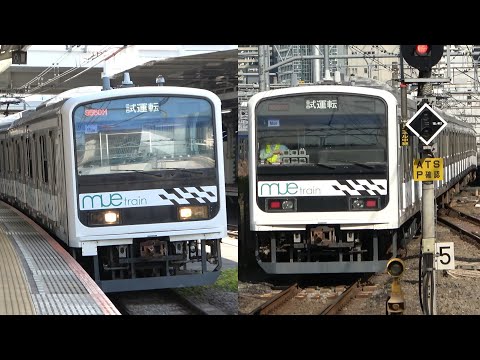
(63, 74)
(108, 57)
(34, 90)
(46, 70)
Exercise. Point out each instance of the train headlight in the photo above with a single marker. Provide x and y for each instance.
(185, 213)
(395, 267)
(193, 212)
(111, 217)
(287, 205)
(101, 218)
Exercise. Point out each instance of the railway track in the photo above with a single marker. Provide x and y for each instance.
(343, 299)
(292, 297)
(278, 300)
(155, 302)
(460, 222)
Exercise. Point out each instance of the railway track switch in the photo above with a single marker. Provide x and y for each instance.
(396, 301)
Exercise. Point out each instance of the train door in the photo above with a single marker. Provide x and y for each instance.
(2, 168)
(52, 193)
(61, 202)
(19, 181)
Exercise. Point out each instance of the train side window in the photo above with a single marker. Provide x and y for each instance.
(439, 145)
(38, 158)
(34, 158)
(29, 159)
(10, 157)
(6, 157)
(43, 159)
(18, 159)
(1, 158)
(53, 158)
(456, 149)
(450, 144)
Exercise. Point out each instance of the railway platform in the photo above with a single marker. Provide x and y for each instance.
(39, 277)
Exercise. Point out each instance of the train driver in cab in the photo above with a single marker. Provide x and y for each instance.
(271, 152)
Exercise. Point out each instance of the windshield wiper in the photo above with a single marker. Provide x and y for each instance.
(137, 171)
(158, 175)
(353, 162)
(186, 170)
(325, 165)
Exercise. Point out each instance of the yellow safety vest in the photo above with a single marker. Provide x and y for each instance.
(272, 159)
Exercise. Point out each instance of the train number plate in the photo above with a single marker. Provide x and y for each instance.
(444, 256)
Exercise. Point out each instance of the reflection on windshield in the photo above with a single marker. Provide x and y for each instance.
(348, 129)
(144, 134)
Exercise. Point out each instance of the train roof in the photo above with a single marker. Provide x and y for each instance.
(69, 94)
(7, 121)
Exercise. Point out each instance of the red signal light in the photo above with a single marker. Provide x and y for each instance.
(422, 50)
(371, 203)
(275, 204)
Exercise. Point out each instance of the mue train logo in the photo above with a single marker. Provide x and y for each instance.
(153, 197)
(322, 188)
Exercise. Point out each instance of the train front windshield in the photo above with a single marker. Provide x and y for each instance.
(143, 134)
(322, 131)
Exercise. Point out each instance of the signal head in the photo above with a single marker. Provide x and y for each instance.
(395, 267)
(422, 50)
(422, 57)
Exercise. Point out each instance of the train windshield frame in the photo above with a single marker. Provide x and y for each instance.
(321, 130)
(148, 133)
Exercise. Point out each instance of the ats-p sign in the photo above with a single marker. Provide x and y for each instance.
(429, 169)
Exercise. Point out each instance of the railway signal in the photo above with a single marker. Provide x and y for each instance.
(422, 57)
(426, 124)
(396, 301)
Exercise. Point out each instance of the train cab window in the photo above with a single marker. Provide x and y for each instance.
(140, 134)
(329, 129)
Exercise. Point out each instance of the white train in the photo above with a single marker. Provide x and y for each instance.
(132, 178)
(330, 186)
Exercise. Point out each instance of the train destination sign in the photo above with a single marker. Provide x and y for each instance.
(426, 124)
(429, 169)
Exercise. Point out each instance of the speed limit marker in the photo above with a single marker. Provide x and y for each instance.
(444, 256)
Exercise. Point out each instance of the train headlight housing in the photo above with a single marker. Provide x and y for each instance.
(281, 205)
(102, 218)
(364, 203)
(193, 212)
(288, 205)
(395, 267)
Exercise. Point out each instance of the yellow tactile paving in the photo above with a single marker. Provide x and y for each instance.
(15, 298)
